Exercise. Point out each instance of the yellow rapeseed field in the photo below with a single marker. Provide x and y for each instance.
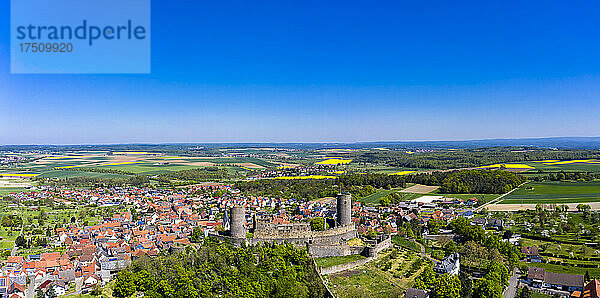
(403, 173)
(69, 167)
(564, 162)
(507, 166)
(69, 156)
(120, 163)
(18, 174)
(334, 161)
(136, 153)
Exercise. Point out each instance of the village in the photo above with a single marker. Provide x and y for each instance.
(82, 253)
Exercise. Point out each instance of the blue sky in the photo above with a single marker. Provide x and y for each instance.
(313, 71)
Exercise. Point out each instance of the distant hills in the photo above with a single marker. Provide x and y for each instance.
(552, 142)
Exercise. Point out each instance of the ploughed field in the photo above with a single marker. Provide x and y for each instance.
(555, 192)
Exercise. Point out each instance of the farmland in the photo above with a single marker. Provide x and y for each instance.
(577, 165)
(374, 198)
(549, 192)
(104, 165)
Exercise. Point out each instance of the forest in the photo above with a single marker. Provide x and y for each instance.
(218, 269)
(359, 185)
(84, 181)
(564, 176)
(197, 174)
(468, 158)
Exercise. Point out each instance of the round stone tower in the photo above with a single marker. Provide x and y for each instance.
(344, 209)
(238, 222)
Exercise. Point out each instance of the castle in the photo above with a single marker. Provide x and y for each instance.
(329, 242)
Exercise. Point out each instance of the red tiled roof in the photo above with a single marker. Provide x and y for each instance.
(592, 289)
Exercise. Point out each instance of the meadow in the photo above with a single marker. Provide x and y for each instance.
(333, 261)
(388, 276)
(373, 199)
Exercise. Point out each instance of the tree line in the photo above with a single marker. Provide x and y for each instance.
(84, 181)
(360, 185)
(566, 176)
(196, 174)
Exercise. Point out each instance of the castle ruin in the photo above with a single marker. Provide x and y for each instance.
(329, 242)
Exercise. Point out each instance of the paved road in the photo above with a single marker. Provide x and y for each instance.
(511, 290)
(496, 200)
(30, 291)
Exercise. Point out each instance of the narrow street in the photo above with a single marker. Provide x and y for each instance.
(30, 292)
(424, 254)
(511, 290)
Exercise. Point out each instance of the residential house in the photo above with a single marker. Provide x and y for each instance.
(494, 223)
(14, 262)
(591, 290)
(4, 286)
(60, 288)
(540, 278)
(450, 265)
(531, 254)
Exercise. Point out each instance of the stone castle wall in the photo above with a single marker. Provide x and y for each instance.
(295, 233)
(319, 251)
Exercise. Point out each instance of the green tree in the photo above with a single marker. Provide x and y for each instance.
(446, 286)
(143, 281)
(499, 273)
(196, 235)
(317, 224)
(20, 241)
(7, 221)
(466, 285)
(485, 288)
(525, 293)
(124, 284)
(587, 276)
(385, 201)
(164, 288)
(426, 279)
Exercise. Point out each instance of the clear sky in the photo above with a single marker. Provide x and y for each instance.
(313, 71)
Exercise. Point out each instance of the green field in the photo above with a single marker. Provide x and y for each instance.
(574, 167)
(373, 199)
(555, 192)
(71, 174)
(333, 261)
(49, 167)
(8, 190)
(405, 243)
